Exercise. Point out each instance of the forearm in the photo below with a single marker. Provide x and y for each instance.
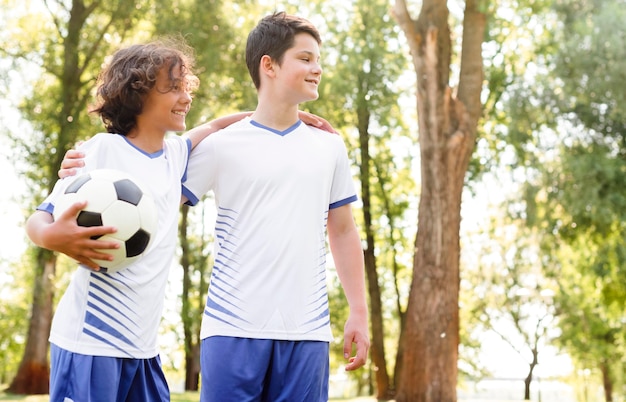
(345, 245)
(200, 132)
(36, 226)
(348, 257)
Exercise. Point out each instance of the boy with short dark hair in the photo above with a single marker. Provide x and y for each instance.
(280, 186)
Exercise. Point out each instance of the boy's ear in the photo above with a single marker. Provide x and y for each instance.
(267, 65)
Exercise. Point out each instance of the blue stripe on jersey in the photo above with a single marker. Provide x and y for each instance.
(101, 339)
(211, 305)
(109, 294)
(217, 274)
(222, 259)
(216, 286)
(208, 314)
(323, 314)
(99, 309)
(152, 155)
(46, 206)
(281, 133)
(92, 295)
(343, 202)
(323, 306)
(217, 281)
(121, 278)
(91, 319)
(191, 197)
(322, 325)
(224, 216)
(321, 298)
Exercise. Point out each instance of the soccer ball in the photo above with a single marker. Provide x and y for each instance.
(113, 198)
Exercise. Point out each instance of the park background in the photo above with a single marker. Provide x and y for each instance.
(541, 291)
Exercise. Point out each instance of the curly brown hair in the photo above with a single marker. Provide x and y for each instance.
(132, 73)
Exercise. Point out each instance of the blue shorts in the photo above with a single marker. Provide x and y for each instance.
(84, 378)
(262, 370)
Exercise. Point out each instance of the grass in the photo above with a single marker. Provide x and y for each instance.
(176, 397)
(26, 398)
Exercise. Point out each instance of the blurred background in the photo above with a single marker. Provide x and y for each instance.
(533, 267)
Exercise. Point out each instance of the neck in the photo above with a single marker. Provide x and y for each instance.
(147, 143)
(276, 116)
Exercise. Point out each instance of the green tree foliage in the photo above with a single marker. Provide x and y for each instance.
(576, 195)
(13, 308)
(215, 30)
(590, 62)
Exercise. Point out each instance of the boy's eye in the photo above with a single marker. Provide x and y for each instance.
(178, 85)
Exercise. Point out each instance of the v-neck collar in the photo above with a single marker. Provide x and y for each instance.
(281, 133)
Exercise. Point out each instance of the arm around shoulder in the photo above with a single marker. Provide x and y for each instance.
(202, 131)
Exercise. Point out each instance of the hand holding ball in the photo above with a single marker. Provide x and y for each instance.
(113, 198)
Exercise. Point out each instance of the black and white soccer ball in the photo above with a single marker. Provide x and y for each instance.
(114, 198)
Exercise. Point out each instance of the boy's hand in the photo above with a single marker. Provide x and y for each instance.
(356, 332)
(315, 121)
(73, 159)
(66, 236)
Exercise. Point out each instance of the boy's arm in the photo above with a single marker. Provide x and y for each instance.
(200, 132)
(65, 236)
(73, 158)
(345, 246)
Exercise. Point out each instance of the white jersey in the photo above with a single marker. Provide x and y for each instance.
(118, 314)
(273, 191)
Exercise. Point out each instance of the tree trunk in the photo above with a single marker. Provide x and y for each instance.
(531, 369)
(527, 381)
(188, 313)
(447, 131)
(607, 381)
(377, 348)
(34, 371)
(192, 367)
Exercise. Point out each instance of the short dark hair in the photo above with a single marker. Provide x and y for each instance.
(273, 36)
(132, 72)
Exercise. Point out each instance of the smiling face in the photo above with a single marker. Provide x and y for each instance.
(166, 105)
(299, 72)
